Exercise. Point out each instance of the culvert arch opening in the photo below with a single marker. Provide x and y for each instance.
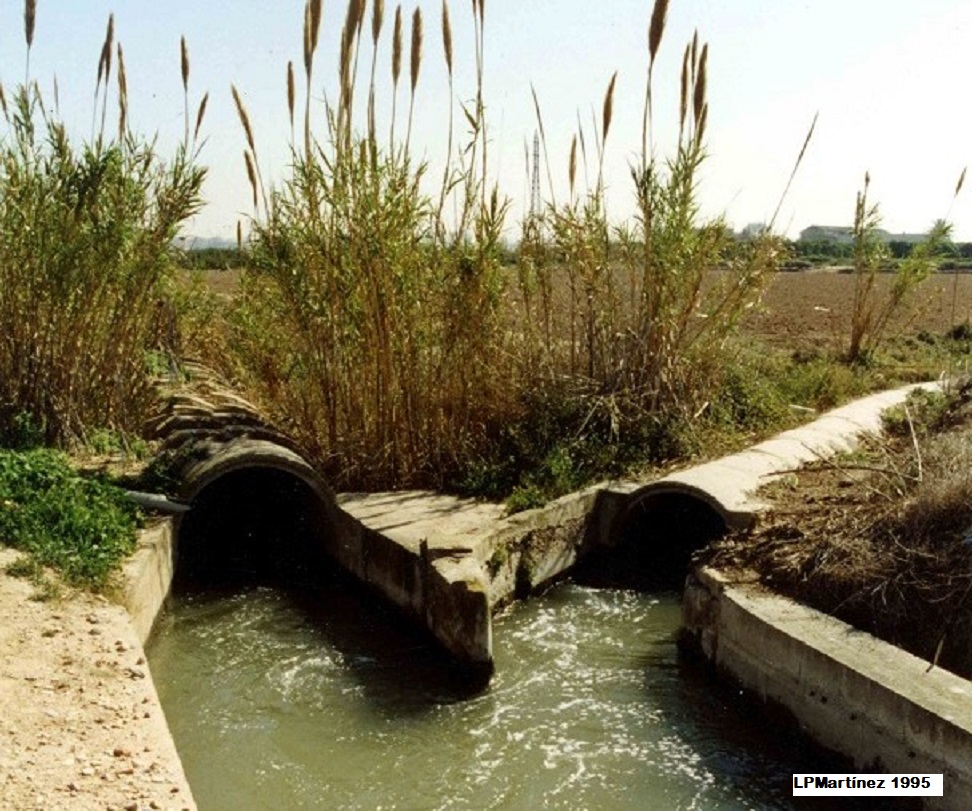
(652, 542)
(252, 525)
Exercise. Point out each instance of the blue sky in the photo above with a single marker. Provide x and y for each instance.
(888, 78)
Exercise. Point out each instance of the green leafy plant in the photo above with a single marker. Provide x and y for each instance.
(81, 527)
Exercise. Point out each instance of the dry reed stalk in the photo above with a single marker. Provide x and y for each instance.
(251, 174)
(200, 114)
(30, 19)
(543, 144)
(796, 165)
(415, 64)
(184, 60)
(656, 30)
(291, 96)
(57, 96)
(122, 96)
(396, 67)
(239, 237)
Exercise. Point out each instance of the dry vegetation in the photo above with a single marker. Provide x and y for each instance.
(882, 538)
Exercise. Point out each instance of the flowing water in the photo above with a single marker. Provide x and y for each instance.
(279, 700)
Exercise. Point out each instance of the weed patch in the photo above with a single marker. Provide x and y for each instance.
(81, 527)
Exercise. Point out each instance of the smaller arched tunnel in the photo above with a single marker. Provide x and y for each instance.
(252, 524)
(652, 541)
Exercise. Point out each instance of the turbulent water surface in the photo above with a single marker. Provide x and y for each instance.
(279, 701)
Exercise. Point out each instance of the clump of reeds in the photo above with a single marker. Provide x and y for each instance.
(373, 329)
(85, 235)
(877, 300)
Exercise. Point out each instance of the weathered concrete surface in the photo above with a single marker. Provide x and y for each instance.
(728, 485)
(147, 576)
(853, 693)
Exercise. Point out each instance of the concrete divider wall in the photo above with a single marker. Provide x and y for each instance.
(853, 693)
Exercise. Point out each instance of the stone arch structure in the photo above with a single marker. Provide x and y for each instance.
(238, 474)
(651, 539)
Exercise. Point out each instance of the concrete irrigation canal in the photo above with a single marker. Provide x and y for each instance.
(449, 565)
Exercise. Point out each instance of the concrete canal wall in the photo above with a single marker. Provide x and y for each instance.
(880, 706)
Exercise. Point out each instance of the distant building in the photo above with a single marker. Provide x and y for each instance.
(841, 234)
(844, 235)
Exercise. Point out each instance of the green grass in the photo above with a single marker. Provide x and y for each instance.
(83, 528)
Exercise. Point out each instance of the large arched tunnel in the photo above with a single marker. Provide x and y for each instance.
(652, 540)
(257, 514)
(255, 524)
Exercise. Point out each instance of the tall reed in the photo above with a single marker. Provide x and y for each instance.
(371, 326)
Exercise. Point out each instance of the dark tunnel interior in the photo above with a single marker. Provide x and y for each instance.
(654, 540)
(251, 526)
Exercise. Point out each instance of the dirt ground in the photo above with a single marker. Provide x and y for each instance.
(813, 308)
(804, 308)
(80, 725)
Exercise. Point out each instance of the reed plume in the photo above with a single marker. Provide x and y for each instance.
(700, 83)
(377, 21)
(251, 174)
(30, 18)
(396, 68)
(291, 96)
(447, 49)
(200, 114)
(184, 54)
(608, 110)
(313, 12)
(122, 96)
(656, 30)
(415, 64)
(572, 166)
(447, 36)
(244, 117)
(104, 72)
(252, 164)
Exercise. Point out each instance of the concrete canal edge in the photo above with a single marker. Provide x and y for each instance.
(449, 563)
(870, 701)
